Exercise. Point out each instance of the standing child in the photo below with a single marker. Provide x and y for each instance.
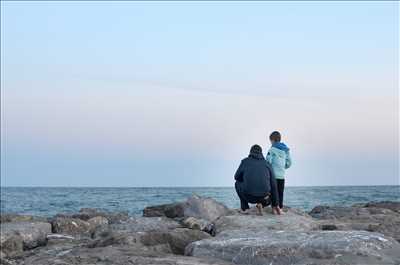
(279, 157)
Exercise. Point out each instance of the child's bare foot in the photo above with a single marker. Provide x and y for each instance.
(276, 210)
(259, 208)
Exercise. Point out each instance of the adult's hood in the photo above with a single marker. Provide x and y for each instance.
(281, 146)
(257, 154)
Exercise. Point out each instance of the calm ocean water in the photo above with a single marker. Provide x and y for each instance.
(50, 201)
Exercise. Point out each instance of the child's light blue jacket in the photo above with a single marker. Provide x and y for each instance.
(279, 157)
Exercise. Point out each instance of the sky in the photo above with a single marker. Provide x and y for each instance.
(175, 93)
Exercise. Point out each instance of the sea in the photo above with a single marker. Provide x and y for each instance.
(45, 201)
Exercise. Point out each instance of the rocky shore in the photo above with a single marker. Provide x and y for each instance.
(201, 231)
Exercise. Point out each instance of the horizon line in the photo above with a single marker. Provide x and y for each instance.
(168, 187)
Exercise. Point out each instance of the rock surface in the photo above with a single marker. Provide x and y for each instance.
(193, 223)
(113, 218)
(112, 255)
(22, 234)
(293, 247)
(382, 217)
(290, 221)
(195, 206)
(10, 217)
(177, 239)
(71, 226)
(144, 224)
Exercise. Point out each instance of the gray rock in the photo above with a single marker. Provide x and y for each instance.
(391, 205)
(26, 234)
(71, 226)
(11, 246)
(194, 223)
(291, 220)
(98, 221)
(111, 237)
(111, 255)
(112, 217)
(11, 217)
(379, 217)
(177, 239)
(292, 247)
(172, 210)
(195, 206)
(335, 212)
(144, 224)
(204, 208)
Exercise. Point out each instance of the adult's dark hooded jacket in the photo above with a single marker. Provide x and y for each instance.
(255, 176)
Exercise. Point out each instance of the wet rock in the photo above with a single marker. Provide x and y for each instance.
(195, 206)
(26, 234)
(254, 247)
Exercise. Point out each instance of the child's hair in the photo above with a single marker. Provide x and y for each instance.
(275, 136)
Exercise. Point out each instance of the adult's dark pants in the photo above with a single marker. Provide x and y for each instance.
(280, 183)
(245, 199)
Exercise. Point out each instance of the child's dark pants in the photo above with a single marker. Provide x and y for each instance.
(281, 186)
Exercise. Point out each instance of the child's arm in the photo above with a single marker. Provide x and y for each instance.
(288, 162)
(269, 157)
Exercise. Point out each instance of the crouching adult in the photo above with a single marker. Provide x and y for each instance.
(255, 182)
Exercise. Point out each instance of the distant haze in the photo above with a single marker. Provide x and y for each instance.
(175, 93)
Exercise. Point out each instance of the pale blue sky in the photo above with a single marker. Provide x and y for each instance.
(175, 93)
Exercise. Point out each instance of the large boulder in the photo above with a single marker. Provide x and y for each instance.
(195, 206)
(291, 220)
(17, 236)
(204, 208)
(382, 217)
(255, 247)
